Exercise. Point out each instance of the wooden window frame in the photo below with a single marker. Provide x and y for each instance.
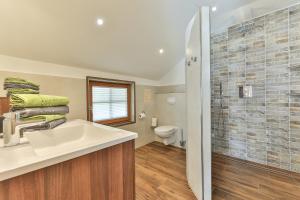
(112, 83)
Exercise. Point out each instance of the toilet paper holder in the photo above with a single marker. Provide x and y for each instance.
(142, 115)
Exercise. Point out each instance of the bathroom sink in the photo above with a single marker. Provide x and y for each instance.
(15, 154)
(71, 138)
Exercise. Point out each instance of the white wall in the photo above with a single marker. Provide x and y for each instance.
(176, 76)
(172, 114)
(14, 64)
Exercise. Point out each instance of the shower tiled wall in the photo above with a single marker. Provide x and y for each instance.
(263, 53)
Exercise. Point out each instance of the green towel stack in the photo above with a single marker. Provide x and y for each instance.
(23, 101)
(20, 86)
(36, 100)
(24, 95)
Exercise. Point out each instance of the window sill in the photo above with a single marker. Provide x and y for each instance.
(118, 124)
(122, 124)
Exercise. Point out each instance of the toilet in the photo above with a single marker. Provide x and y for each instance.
(167, 134)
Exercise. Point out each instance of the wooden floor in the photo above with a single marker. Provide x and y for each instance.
(234, 179)
(160, 173)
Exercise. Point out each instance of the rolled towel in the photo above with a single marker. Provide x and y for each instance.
(43, 118)
(35, 100)
(21, 86)
(11, 91)
(29, 112)
(43, 126)
(16, 80)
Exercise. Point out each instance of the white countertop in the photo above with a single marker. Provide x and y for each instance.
(46, 149)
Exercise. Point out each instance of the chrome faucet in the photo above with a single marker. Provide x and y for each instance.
(11, 128)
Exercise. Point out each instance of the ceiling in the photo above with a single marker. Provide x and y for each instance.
(65, 32)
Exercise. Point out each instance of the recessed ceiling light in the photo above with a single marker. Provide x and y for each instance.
(214, 9)
(161, 51)
(100, 22)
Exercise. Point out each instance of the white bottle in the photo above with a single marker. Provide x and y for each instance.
(7, 129)
(9, 136)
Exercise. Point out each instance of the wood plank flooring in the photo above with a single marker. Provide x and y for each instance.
(234, 179)
(160, 173)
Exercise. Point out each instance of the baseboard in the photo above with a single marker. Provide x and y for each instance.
(257, 165)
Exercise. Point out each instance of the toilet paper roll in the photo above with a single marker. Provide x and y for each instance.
(142, 115)
(154, 122)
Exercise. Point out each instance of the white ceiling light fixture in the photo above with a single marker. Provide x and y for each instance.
(161, 51)
(100, 22)
(214, 8)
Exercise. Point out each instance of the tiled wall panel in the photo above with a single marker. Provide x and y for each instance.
(256, 77)
(277, 89)
(219, 71)
(294, 44)
(236, 76)
(263, 53)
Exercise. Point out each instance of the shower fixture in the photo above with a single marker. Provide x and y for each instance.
(221, 89)
(245, 91)
(188, 61)
(221, 115)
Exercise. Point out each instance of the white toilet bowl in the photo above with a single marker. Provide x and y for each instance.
(166, 133)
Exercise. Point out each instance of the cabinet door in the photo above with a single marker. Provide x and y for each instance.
(108, 174)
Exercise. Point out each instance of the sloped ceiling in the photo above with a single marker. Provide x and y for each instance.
(65, 32)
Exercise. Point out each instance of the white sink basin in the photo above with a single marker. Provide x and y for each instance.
(70, 138)
(9, 155)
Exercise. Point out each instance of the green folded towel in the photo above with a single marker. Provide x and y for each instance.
(21, 91)
(43, 118)
(19, 81)
(36, 100)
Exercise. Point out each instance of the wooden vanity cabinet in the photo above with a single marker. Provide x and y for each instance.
(4, 105)
(4, 108)
(108, 174)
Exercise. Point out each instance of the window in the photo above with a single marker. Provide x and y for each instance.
(110, 102)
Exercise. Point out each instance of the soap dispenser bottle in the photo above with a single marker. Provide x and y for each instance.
(11, 138)
(7, 128)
